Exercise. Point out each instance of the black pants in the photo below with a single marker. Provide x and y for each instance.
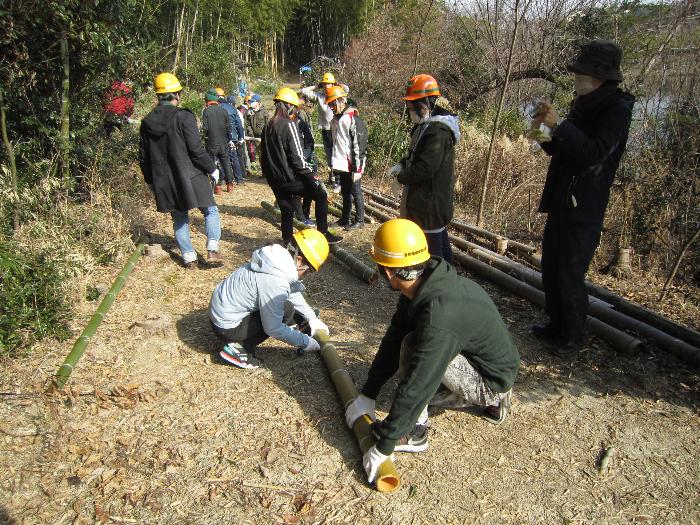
(567, 251)
(287, 195)
(220, 153)
(351, 192)
(250, 332)
(439, 244)
(327, 137)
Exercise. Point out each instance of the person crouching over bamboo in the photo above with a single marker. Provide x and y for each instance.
(263, 298)
(446, 330)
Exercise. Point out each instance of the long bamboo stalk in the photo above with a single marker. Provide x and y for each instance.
(13, 166)
(96, 320)
(387, 478)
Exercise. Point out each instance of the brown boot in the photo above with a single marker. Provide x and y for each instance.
(229, 186)
(217, 190)
(215, 258)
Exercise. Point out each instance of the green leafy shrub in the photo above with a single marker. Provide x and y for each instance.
(33, 304)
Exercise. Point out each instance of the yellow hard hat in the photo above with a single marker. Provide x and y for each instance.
(288, 95)
(220, 91)
(328, 78)
(167, 83)
(334, 93)
(399, 243)
(313, 245)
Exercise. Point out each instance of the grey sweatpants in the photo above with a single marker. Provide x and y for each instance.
(461, 378)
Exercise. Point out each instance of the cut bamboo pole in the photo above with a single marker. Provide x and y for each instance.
(620, 340)
(96, 320)
(387, 478)
(356, 266)
(597, 308)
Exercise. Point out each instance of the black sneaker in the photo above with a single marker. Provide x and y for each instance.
(496, 414)
(341, 223)
(355, 226)
(332, 238)
(236, 355)
(415, 441)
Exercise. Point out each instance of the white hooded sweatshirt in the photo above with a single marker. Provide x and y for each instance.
(264, 284)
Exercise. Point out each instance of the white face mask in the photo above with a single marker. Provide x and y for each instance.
(584, 84)
(416, 118)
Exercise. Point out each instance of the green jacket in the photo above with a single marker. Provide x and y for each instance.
(448, 315)
(255, 122)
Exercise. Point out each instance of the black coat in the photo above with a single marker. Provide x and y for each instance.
(217, 126)
(173, 160)
(429, 172)
(586, 149)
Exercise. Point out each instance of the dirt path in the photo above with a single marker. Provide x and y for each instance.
(154, 430)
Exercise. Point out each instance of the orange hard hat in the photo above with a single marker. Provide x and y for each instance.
(334, 93)
(421, 86)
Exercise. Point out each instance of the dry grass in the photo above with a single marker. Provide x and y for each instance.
(154, 430)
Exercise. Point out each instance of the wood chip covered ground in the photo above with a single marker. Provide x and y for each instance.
(153, 429)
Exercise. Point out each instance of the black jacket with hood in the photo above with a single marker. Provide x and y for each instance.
(428, 172)
(282, 153)
(586, 149)
(174, 161)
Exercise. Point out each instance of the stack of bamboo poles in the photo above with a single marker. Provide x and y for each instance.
(610, 316)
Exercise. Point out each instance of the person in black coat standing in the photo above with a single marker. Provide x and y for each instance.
(177, 169)
(586, 148)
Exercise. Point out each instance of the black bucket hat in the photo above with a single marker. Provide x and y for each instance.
(599, 59)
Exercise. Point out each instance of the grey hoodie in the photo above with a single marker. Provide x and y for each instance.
(264, 284)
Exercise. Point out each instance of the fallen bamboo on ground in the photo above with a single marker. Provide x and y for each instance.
(597, 308)
(80, 345)
(356, 266)
(620, 340)
(387, 478)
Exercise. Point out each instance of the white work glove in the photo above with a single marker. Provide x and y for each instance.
(356, 177)
(371, 461)
(231, 144)
(395, 170)
(316, 324)
(312, 345)
(360, 406)
(396, 188)
(241, 142)
(215, 176)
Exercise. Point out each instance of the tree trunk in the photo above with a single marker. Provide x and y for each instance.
(11, 160)
(496, 120)
(64, 133)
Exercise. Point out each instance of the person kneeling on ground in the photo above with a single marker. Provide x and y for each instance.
(263, 298)
(446, 329)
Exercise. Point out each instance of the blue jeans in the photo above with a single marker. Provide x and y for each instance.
(181, 227)
(439, 244)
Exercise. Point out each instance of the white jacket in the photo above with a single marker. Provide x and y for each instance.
(348, 155)
(325, 114)
(264, 284)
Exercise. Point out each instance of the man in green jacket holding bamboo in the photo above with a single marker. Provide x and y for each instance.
(446, 330)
